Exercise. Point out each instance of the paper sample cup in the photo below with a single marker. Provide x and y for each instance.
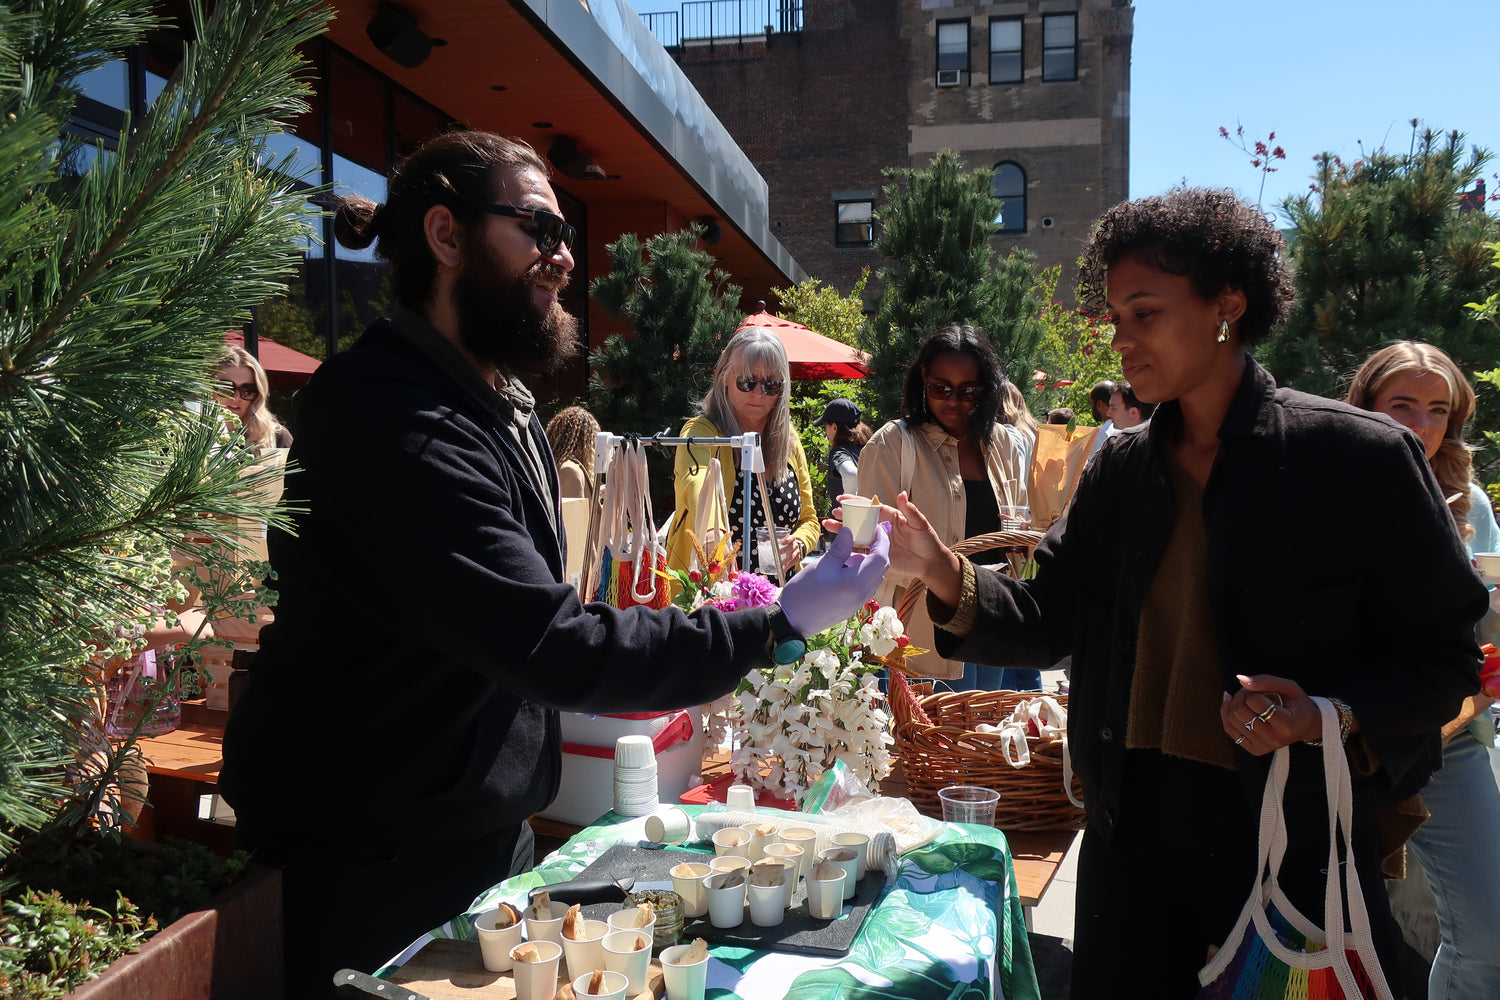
(740, 797)
(805, 838)
(687, 880)
(825, 896)
(761, 834)
(732, 841)
(860, 844)
(767, 903)
(791, 862)
(621, 955)
(726, 906)
(615, 984)
(683, 982)
(586, 953)
(537, 980)
(862, 519)
(668, 826)
(728, 863)
(848, 859)
(625, 919)
(549, 929)
(495, 944)
(969, 804)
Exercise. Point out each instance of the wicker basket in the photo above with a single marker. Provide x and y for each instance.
(938, 745)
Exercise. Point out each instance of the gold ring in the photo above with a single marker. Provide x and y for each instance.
(1239, 740)
(1266, 715)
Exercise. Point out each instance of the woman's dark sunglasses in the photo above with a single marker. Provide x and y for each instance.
(768, 386)
(245, 390)
(966, 393)
(547, 229)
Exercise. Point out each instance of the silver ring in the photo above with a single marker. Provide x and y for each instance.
(1250, 726)
(1266, 715)
(1239, 740)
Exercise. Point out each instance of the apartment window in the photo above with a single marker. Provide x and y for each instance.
(1005, 50)
(854, 224)
(953, 46)
(1060, 47)
(1009, 188)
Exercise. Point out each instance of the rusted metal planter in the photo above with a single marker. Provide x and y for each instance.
(229, 950)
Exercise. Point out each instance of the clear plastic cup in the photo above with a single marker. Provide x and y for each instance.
(969, 804)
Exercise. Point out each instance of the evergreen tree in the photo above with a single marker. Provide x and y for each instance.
(934, 229)
(119, 272)
(681, 310)
(1383, 252)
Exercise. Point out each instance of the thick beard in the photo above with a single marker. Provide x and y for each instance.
(500, 322)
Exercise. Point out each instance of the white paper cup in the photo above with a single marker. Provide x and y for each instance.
(1489, 563)
(621, 955)
(683, 982)
(790, 866)
(732, 841)
(805, 838)
(726, 907)
(767, 904)
(861, 844)
(615, 984)
(755, 849)
(495, 945)
(624, 920)
(547, 930)
(825, 897)
(668, 826)
(690, 887)
(635, 751)
(537, 980)
(587, 953)
(740, 797)
(728, 863)
(848, 859)
(862, 519)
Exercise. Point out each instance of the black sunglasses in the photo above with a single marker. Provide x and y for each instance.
(966, 393)
(768, 386)
(547, 229)
(245, 390)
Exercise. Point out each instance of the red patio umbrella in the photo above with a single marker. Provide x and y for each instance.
(285, 368)
(811, 355)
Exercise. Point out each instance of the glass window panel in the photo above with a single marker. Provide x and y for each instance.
(356, 105)
(854, 226)
(298, 158)
(1005, 36)
(155, 84)
(1059, 30)
(953, 45)
(109, 84)
(1009, 186)
(351, 178)
(1059, 65)
(415, 123)
(855, 211)
(298, 318)
(1005, 67)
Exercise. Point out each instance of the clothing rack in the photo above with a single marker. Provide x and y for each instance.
(752, 465)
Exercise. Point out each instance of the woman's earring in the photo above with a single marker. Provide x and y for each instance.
(1224, 331)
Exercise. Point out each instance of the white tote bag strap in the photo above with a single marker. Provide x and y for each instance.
(643, 530)
(601, 522)
(713, 511)
(908, 459)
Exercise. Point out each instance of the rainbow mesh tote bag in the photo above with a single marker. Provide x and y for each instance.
(1274, 951)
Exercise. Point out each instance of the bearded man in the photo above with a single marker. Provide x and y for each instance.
(423, 586)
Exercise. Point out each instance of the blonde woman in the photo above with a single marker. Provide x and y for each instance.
(748, 394)
(1419, 387)
(571, 434)
(242, 390)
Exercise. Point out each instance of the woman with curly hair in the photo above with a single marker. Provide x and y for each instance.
(1205, 589)
(1420, 387)
(571, 434)
(242, 390)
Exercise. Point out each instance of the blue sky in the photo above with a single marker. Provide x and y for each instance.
(1321, 74)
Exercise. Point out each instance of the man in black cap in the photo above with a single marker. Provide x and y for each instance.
(846, 436)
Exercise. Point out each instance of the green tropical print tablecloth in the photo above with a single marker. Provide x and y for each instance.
(951, 926)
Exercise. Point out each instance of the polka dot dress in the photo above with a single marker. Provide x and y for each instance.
(786, 511)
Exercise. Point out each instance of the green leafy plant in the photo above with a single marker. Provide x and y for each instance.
(48, 945)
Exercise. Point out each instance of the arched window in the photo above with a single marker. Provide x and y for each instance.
(1009, 187)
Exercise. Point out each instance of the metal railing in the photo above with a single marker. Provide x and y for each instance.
(714, 20)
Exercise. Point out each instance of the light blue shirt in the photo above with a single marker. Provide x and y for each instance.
(1482, 517)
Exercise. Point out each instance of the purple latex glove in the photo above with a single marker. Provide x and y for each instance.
(837, 585)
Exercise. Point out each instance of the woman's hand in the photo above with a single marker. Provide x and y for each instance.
(916, 549)
(792, 553)
(1269, 713)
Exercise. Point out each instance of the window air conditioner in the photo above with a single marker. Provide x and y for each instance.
(949, 77)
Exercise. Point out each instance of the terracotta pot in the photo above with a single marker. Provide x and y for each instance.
(229, 950)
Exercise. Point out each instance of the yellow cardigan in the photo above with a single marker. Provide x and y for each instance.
(692, 468)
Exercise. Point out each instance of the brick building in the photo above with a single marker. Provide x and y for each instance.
(832, 91)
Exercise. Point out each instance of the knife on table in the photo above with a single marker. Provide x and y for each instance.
(589, 890)
(352, 983)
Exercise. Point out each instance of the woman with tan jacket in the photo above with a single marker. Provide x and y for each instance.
(748, 394)
(954, 450)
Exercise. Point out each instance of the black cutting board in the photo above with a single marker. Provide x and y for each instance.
(797, 932)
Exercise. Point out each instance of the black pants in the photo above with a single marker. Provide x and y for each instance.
(1172, 881)
(347, 904)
